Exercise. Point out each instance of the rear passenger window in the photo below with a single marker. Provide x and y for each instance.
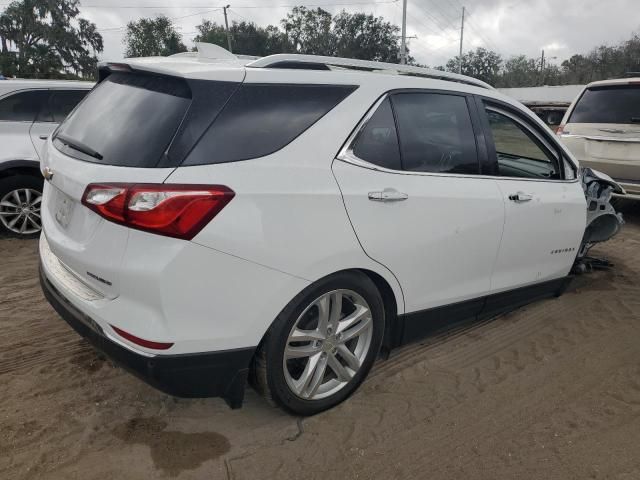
(435, 133)
(63, 101)
(377, 142)
(22, 106)
(261, 119)
(519, 153)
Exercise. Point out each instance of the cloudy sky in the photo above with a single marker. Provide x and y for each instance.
(561, 27)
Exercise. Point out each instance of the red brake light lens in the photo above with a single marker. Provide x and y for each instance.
(179, 211)
(141, 341)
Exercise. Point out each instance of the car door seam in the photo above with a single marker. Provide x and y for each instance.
(360, 243)
(504, 226)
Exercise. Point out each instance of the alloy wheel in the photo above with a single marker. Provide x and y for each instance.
(20, 211)
(327, 344)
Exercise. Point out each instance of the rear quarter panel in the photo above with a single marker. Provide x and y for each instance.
(288, 213)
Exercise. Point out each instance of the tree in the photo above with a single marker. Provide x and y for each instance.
(150, 37)
(552, 75)
(519, 71)
(366, 37)
(314, 32)
(211, 32)
(246, 38)
(632, 54)
(482, 64)
(353, 35)
(309, 31)
(577, 70)
(47, 39)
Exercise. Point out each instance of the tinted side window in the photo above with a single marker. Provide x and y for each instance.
(435, 133)
(22, 106)
(377, 142)
(519, 153)
(63, 101)
(261, 119)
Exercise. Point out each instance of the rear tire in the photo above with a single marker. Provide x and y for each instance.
(20, 202)
(305, 364)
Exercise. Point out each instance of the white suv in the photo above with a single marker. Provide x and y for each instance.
(286, 220)
(29, 111)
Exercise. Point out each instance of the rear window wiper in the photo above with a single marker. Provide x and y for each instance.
(78, 145)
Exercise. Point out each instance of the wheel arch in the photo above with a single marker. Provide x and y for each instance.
(392, 298)
(20, 167)
(391, 311)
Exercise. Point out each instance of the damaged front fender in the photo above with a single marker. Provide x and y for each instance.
(603, 222)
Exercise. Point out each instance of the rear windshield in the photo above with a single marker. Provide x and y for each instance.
(616, 104)
(128, 120)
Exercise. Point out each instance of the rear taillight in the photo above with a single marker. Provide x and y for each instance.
(179, 211)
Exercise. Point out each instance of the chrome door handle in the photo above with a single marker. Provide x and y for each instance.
(520, 197)
(44, 137)
(388, 195)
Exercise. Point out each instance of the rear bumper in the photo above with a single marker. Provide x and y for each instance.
(632, 188)
(216, 374)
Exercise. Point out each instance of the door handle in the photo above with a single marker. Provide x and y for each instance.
(388, 195)
(521, 197)
(44, 137)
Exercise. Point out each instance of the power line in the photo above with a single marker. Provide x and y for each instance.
(448, 22)
(158, 7)
(476, 29)
(455, 9)
(170, 18)
(238, 15)
(422, 44)
(432, 20)
(478, 32)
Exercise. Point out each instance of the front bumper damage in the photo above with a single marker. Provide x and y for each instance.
(603, 222)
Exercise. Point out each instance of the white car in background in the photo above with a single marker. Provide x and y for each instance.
(30, 110)
(209, 220)
(602, 130)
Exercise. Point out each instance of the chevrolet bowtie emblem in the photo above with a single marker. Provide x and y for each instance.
(47, 173)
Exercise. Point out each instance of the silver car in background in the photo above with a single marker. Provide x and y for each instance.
(30, 110)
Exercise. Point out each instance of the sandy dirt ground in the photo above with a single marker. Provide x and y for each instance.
(551, 391)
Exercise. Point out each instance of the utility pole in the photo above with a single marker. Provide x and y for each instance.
(403, 42)
(542, 69)
(461, 39)
(226, 27)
